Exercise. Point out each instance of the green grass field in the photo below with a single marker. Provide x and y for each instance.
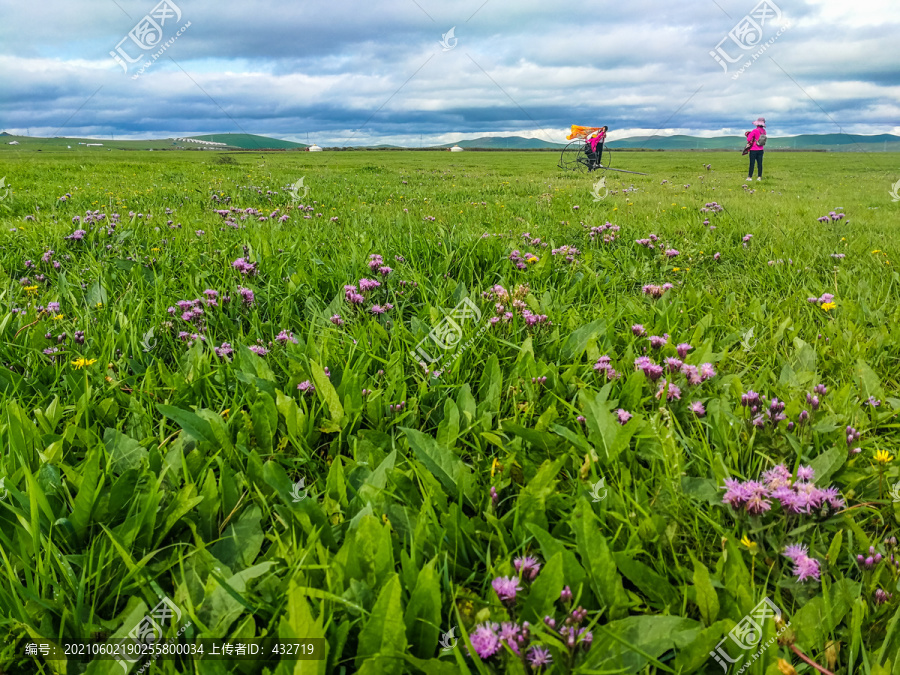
(207, 419)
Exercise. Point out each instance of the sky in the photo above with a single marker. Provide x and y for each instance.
(347, 72)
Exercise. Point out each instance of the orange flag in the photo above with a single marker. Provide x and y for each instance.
(581, 132)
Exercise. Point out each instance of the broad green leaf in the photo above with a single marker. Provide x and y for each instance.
(598, 561)
(241, 541)
(454, 475)
(707, 599)
(190, 422)
(651, 584)
(124, 452)
(545, 590)
(816, 619)
(384, 632)
(826, 464)
(423, 613)
(325, 391)
(576, 343)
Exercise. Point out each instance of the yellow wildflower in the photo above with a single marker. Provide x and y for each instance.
(154, 250)
(494, 465)
(877, 250)
(828, 306)
(59, 317)
(99, 304)
(82, 362)
(676, 269)
(883, 457)
(31, 290)
(751, 545)
(533, 259)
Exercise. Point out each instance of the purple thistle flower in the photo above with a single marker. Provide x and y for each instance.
(506, 588)
(306, 387)
(246, 295)
(638, 330)
(698, 409)
(805, 473)
(657, 342)
(673, 365)
(485, 641)
(539, 657)
(683, 349)
(495, 498)
(672, 394)
(368, 284)
(527, 566)
(623, 415)
(706, 371)
(337, 320)
(795, 552)
(258, 350)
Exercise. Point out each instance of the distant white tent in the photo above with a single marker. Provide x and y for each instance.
(14, 142)
(456, 148)
(314, 148)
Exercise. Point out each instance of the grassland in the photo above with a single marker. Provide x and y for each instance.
(324, 484)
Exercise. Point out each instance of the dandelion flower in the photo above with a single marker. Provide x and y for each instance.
(82, 362)
(883, 457)
(828, 306)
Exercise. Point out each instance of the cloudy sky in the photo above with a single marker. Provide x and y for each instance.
(350, 72)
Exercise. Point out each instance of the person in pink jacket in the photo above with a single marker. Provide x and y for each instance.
(756, 141)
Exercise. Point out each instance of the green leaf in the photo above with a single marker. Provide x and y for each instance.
(818, 618)
(190, 422)
(531, 505)
(598, 562)
(423, 613)
(628, 645)
(325, 390)
(869, 384)
(826, 464)
(264, 416)
(491, 384)
(241, 541)
(650, 583)
(124, 452)
(545, 590)
(448, 429)
(577, 341)
(384, 632)
(449, 469)
(90, 486)
(707, 599)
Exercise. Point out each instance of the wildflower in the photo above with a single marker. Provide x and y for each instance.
(246, 295)
(539, 657)
(495, 498)
(805, 473)
(566, 594)
(337, 320)
(751, 545)
(368, 284)
(883, 457)
(283, 337)
(506, 588)
(657, 342)
(306, 387)
(638, 330)
(706, 371)
(224, 351)
(828, 306)
(683, 349)
(698, 409)
(258, 350)
(527, 566)
(484, 641)
(623, 415)
(882, 597)
(377, 309)
(671, 252)
(82, 362)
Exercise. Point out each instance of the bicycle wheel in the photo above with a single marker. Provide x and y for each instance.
(573, 157)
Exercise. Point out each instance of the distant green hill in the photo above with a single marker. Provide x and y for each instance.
(249, 141)
(505, 142)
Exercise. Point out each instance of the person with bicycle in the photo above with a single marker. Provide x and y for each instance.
(593, 142)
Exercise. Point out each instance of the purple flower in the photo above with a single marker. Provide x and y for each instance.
(337, 320)
(283, 337)
(683, 349)
(258, 350)
(657, 342)
(539, 657)
(805, 473)
(528, 567)
(795, 552)
(673, 365)
(384, 270)
(698, 409)
(377, 309)
(623, 415)
(224, 351)
(671, 252)
(306, 387)
(638, 330)
(485, 641)
(368, 284)
(246, 295)
(53, 307)
(495, 498)
(506, 588)
(806, 568)
(673, 393)
(706, 371)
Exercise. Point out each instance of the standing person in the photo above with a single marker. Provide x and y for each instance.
(594, 141)
(756, 141)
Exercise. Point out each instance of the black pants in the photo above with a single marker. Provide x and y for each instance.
(594, 157)
(756, 158)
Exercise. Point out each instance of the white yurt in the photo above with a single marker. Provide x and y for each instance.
(314, 148)
(456, 148)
